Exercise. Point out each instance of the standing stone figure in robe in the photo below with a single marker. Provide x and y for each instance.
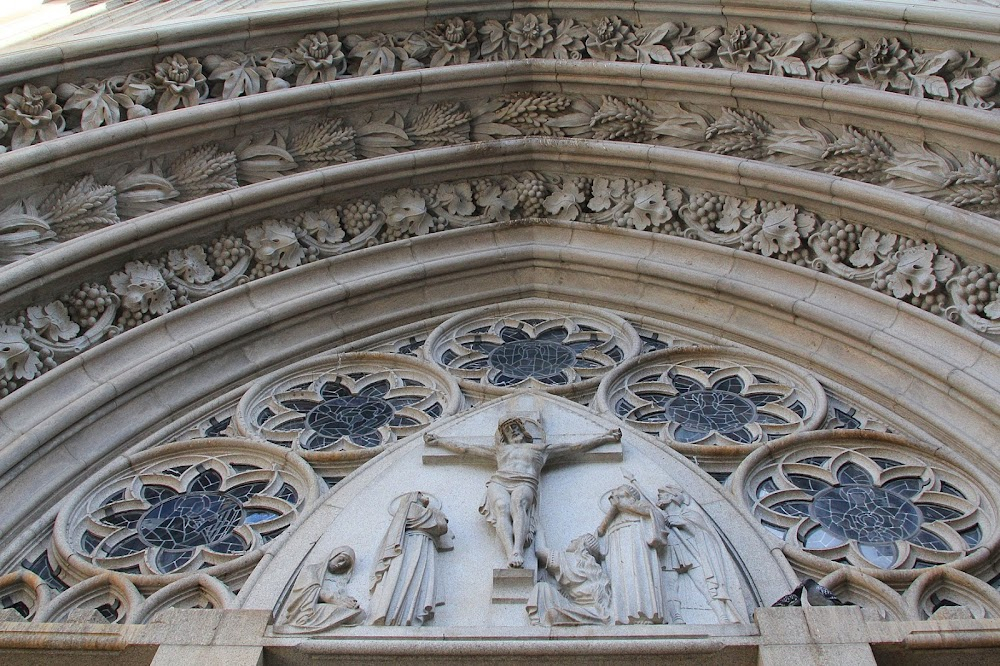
(512, 492)
(405, 587)
(632, 533)
(318, 601)
(581, 593)
(694, 551)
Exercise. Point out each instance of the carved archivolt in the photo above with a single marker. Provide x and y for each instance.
(887, 505)
(34, 113)
(709, 401)
(521, 344)
(347, 407)
(913, 270)
(202, 505)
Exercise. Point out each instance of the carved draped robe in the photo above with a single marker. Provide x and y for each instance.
(581, 595)
(304, 612)
(405, 589)
(633, 566)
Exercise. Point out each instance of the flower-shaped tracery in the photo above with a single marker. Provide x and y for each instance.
(188, 516)
(881, 508)
(532, 345)
(704, 397)
(357, 403)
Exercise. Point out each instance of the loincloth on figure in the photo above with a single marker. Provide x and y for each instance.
(510, 483)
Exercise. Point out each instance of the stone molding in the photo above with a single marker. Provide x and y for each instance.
(885, 63)
(914, 348)
(914, 269)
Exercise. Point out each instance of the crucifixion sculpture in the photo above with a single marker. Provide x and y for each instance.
(512, 492)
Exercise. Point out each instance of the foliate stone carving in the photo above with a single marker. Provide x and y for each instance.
(406, 588)
(348, 406)
(520, 451)
(885, 63)
(580, 592)
(917, 272)
(183, 507)
(871, 500)
(317, 600)
(697, 398)
(529, 344)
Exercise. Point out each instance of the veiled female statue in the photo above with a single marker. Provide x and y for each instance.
(318, 601)
(404, 586)
(632, 533)
(694, 551)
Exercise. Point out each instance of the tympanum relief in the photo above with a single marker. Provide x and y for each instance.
(564, 534)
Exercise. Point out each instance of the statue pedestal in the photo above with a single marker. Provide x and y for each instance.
(513, 586)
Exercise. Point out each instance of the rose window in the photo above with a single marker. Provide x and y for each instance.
(708, 396)
(357, 403)
(188, 512)
(536, 345)
(887, 509)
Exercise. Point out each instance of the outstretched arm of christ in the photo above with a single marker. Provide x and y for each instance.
(457, 447)
(556, 450)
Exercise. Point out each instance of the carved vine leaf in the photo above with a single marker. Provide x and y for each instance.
(871, 246)
(17, 359)
(653, 206)
(605, 193)
(323, 225)
(918, 270)
(497, 203)
(191, 265)
(143, 288)
(782, 230)
(456, 198)
(53, 321)
(406, 212)
(564, 202)
(275, 244)
(736, 214)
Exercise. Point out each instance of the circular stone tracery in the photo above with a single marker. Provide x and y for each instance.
(869, 515)
(711, 410)
(558, 347)
(539, 359)
(190, 520)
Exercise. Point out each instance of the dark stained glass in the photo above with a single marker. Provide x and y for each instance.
(190, 520)
(712, 410)
(357, 417)
(539, 359)
(866, 514)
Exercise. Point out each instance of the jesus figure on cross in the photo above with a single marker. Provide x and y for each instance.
(512, 491)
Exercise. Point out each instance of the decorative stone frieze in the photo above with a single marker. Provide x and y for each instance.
(910, 269)
(962, 179)
(885, 63)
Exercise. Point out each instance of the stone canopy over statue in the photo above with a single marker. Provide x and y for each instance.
(511, 500)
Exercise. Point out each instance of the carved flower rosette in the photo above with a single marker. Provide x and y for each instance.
(886, 504)
(714, 401)
(558, 348)
(206, 506)
(347, 408)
